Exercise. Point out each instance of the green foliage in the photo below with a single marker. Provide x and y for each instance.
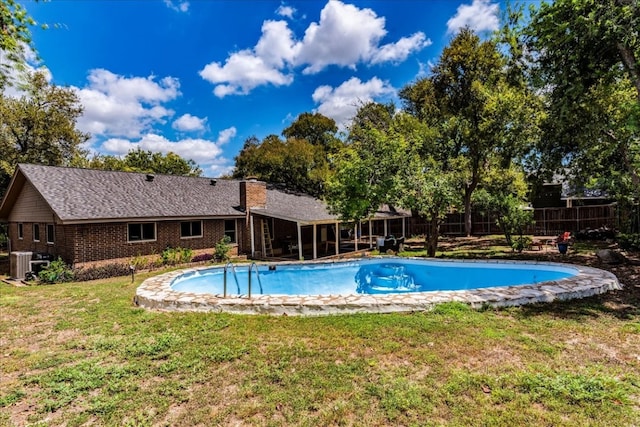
(173, 256)
(366, 169)
(479, 115)
(138, 160)
(39, 127)
(299, 163)
(575, 389)
(15, 36)
(56, 272)
(586, 57)
(521, 242)
(629, 242)
(503, 196)
(222, 249)
(314, 128)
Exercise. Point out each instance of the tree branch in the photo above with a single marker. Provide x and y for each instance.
(630, 64)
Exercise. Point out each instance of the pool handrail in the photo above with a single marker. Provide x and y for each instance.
(258, 275)
(235, 275)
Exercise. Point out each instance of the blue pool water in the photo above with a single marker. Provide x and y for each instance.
(368, 276)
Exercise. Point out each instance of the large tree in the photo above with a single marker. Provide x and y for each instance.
(478, 111)
(300, 162)
(586, 58)
(39, 127)
(366, 169)
(425, 184)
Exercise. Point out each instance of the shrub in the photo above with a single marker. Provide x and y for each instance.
(56, 272)
(101, 272)
(521, 242)
(629, 242)
(172, 256)
(222, 249)
(202, 257)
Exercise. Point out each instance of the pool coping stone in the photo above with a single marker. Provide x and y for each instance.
(155, 293)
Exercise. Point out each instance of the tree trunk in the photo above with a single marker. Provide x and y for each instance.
(468, 191)
(431, 239)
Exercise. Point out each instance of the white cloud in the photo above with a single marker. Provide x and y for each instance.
(341, 103)
(286, 11)
(178, 6)
(242, 72)
(481, 15)
(201, 151)
(189, 123)
(400, 50)
(345, 36)
(226, 135)
(206, 153)
(119, 106)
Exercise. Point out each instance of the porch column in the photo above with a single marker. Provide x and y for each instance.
(337, 236)
(386, 231)
(358, 231)
(370, 235)
(315, 243)
(253, 245)
(404, 233)
(299, 240)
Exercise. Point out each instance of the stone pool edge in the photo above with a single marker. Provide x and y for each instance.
(155, 293)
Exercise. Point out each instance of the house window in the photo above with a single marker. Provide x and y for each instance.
(50, 234)
(36, 232)
(20, 232)
(191, 229)
(230, 229)
(142, 232)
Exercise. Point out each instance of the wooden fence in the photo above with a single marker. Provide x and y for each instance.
(548, 221)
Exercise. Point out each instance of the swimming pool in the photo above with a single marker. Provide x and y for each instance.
(365, 276)
(478, 283)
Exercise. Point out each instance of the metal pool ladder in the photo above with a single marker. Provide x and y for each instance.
(235, 275)
(233, 269)
(253, 264)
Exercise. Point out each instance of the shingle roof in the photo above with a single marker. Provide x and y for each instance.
(81, 195)
(295, 206)
(85, 194)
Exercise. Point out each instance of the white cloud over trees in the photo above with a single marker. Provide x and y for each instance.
(345, 36)
(481, 15)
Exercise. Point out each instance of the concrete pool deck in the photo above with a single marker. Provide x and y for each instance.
(155, 293)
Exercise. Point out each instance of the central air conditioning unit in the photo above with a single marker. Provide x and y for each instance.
(19, 264)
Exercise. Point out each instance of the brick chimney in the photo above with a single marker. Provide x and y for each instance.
(253, 194)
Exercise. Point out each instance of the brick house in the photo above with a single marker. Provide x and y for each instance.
(90, 216)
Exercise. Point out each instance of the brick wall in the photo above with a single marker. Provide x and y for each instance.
(253, 194)
(93, 243)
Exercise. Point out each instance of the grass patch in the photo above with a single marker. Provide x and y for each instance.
(81, 354)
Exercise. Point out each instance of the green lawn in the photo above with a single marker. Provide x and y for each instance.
(82, 354)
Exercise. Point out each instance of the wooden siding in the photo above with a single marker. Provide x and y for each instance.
(31, 207)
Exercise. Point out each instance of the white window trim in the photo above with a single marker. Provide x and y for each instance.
(200, 236)
(155, 232)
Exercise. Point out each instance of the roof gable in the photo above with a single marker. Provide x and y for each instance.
(85, 194)
(89, 195)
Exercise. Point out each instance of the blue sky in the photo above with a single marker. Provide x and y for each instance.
(199, 77)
